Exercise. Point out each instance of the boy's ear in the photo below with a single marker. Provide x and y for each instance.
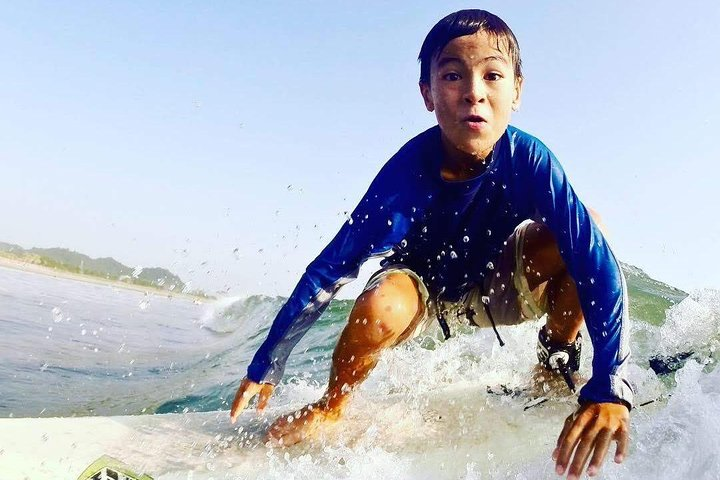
(427, 97)
(518, 94)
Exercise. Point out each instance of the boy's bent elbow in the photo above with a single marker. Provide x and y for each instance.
(597, 218)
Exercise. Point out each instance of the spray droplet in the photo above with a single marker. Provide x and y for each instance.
(466, 239)
(453, 255)
(490, 266)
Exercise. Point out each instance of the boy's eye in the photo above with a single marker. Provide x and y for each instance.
(493, 76)
(452, 77)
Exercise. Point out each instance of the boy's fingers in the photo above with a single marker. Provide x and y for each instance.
(265, 393)
(622, 445)
(566, 428)
(569, 421)
(245, 392)
(582, 452)
(568, 444)
(602, 443)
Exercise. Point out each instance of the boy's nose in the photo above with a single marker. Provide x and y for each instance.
(476, 92)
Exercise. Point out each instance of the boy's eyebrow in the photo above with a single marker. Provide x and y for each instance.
(445, 60)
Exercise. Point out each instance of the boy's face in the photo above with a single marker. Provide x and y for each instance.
(472, 91)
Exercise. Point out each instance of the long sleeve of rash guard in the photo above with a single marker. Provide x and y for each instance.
(372, 230)
(600, 282)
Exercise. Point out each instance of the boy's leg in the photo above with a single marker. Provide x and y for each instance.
(382, 316)
(547, 275)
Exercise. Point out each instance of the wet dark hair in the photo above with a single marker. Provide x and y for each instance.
(467, 22)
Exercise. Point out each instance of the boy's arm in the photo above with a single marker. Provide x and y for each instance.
(374, 227)
(592, 264)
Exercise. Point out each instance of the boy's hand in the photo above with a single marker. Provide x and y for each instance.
(591, 428)
(247, 390)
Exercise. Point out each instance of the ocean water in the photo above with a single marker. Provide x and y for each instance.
(157, 375)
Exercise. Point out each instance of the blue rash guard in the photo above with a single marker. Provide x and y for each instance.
(448, 232)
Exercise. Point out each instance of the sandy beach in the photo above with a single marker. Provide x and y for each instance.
(15, 264)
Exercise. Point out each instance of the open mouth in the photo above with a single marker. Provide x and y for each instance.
(476, 122)
(474, 118)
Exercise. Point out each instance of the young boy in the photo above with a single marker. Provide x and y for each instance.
(477, 221)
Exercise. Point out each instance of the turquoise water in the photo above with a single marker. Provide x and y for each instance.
(74, 348)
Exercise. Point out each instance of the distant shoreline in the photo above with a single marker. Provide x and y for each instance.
(15, 264)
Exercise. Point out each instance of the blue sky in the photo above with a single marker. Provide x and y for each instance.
(226, 140)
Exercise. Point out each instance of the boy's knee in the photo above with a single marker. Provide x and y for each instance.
(541, 254)
(383, 313)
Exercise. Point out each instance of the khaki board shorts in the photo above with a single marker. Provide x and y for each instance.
(506, 293)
